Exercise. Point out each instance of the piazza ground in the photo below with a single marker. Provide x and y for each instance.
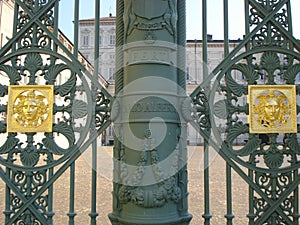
(104, 189)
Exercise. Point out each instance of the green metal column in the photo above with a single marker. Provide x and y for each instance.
(150, 175)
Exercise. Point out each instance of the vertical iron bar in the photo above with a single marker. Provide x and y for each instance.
(296, 172)
(247, 18)
(97, 32)
(50, 212)
(56, 16)
(296, 214)
(290, 23)
(207, 215)
(72, 212)
(16, 9)
(195, 61)
(76, 27)
(7, 211)
(204, 37)
(94, 213)
(229, 215)
(226, 25)
(251, 214)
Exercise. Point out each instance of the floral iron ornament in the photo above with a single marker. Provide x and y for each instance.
(30, 108)
(272, 109)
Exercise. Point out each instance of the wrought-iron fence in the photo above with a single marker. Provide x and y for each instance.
(263, 65)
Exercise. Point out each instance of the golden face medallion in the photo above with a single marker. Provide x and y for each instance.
(272, 109)
(30, 108)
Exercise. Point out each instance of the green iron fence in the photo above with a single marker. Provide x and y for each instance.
(270, 55)
(32, 162)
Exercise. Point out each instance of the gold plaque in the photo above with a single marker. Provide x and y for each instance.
(30, 108)
(272, 109)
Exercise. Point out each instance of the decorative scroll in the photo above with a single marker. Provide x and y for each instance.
(200, 110)
(102, 109)
(145, 16)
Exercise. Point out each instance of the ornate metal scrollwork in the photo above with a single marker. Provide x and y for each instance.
(200, 110)
(270, 63)
(103, 109)
(46, 88)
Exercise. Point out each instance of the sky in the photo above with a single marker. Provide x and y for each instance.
(193, 12)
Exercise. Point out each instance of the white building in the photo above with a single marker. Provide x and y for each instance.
(6, 22)
(194, 62)
(107, 42)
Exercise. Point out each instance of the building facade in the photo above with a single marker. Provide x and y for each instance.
(107, 41)
(194, 62)
(6, 20)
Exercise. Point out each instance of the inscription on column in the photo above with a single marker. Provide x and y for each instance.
(157, 52)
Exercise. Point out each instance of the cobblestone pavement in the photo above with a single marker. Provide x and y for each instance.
(104, 187)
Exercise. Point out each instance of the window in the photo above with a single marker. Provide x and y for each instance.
(112, 39)
(111, 73)
(85, 40)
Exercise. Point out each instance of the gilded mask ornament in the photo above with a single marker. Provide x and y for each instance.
(272, 109)
(30, 108)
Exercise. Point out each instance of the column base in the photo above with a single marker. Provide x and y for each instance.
(115, 220)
